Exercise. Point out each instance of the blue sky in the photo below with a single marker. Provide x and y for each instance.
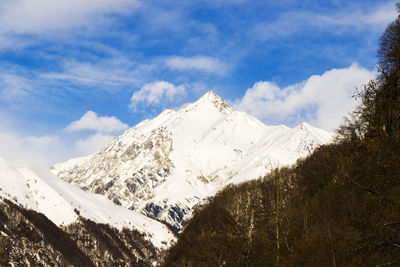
(75, 73)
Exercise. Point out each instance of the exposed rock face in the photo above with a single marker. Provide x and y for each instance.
(28, 238)
(164, 166)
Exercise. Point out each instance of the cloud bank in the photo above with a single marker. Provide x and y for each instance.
(41, 150)
(323, 100)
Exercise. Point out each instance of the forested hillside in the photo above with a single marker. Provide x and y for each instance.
(29, 238)
(338, 207)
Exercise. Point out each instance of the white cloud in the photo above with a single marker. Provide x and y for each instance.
(90, 121)
(153, 93)
(323, 100)
(92, 144)
(38, 16)
(201, 63)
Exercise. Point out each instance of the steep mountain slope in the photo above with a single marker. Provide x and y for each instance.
(33, 188)
(164, 166)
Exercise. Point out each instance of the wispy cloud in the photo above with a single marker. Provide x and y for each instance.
(13, 88)
(379, 15)
(199, 63)
(109, 74)
(323, 100)
(355, 18)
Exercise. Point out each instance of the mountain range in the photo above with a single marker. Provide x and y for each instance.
(163, 167)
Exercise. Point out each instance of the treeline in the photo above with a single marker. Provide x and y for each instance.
(338, 207)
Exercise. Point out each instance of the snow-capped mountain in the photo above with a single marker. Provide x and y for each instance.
(38, 189)
(164, 166)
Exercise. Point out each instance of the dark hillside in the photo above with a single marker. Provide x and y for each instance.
(29, 238)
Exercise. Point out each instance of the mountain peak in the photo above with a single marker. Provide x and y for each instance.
(304, 125)
(216, 101)
(210, 94)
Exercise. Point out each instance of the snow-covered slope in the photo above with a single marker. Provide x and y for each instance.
(164, 166)
(40, 190)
